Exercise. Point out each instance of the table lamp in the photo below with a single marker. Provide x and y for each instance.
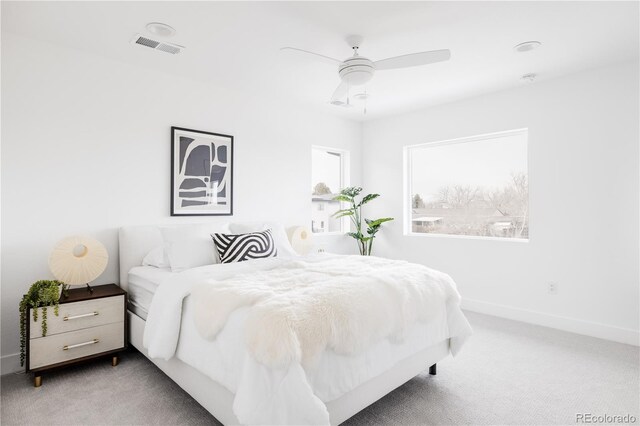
(78, 260)
(300, 239)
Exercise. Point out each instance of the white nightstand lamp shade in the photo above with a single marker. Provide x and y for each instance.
(78, 260)
(300, 238)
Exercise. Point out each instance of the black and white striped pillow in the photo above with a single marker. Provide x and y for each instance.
(239, 247)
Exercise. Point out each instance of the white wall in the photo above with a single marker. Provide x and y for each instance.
(86, 149)
(583, 157)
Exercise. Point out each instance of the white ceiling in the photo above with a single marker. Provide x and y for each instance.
(236, 44)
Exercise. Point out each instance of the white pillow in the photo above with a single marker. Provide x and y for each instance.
(277, 231)
(157, 258)
(190, 246)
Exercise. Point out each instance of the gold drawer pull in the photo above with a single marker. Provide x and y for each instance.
(91, 314)
(77, 345)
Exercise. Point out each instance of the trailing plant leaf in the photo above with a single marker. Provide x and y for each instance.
(41, 294)
(44, 320)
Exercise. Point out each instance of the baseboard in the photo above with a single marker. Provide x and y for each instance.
(10, 364)
(587, 328)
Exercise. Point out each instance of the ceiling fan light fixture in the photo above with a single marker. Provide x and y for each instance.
(356, 70)
(160, 29)
(527, 46)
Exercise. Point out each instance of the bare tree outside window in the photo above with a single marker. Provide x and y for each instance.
(418, 202)
(475, 186)
(321, 188)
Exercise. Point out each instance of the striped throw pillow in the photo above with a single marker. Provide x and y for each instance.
(239, 247)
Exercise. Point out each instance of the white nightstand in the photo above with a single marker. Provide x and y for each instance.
(89, 325)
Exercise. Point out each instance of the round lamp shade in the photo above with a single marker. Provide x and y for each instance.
(78, 260)
(300, 239)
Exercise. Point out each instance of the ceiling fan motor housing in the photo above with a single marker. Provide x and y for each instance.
(356, 71)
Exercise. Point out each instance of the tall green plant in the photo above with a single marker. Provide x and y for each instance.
(41, 294)
(354, 211)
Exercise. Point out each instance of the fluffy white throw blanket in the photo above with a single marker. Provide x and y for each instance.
(344, 303)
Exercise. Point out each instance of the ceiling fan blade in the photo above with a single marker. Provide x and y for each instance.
(339, 93)
(323, 58)
(413, 59)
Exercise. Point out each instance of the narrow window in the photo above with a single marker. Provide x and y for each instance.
(471, 187)
(329, 174)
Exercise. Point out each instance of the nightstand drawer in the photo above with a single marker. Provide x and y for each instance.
(58, 348)
(79, 315)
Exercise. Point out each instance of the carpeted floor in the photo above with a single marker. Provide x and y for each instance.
(508, 373)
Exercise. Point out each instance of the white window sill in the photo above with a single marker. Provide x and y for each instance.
(466, 237)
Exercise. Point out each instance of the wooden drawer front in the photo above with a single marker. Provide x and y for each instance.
(51, 349)
(79, 315)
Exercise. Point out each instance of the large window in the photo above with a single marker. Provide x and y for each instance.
(329, 174)
(477, 187)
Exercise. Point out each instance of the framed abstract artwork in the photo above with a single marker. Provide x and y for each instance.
(201, 173)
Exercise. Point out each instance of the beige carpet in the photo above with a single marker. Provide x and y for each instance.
(508, 373)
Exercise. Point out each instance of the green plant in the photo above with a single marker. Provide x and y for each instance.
(41, 294)
(365, 242)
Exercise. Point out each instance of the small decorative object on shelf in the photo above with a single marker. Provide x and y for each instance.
(87, 325)
(354, 211)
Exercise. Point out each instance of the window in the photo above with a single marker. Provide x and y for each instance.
(329, 174)
(472, 187)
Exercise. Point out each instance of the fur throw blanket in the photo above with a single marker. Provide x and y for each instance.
(342, 303)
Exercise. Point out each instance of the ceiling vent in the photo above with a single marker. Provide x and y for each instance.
(162, 46)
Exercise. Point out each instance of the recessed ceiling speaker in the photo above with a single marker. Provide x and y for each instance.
(160, 29)
(527, 46)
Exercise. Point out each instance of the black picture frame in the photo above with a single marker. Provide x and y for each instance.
(201, 185)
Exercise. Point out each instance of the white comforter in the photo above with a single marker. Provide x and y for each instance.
(293, 391)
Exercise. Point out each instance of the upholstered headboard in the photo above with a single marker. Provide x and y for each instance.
(135, 242)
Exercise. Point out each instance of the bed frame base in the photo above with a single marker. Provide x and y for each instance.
(219, 401)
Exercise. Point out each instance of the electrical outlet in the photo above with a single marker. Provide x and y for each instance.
(552, 287)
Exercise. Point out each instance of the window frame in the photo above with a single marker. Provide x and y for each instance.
(345, 172)
(407, 188)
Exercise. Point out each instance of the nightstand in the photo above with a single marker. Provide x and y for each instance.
(89, 325)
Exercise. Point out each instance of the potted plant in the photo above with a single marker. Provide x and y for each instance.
(41, 294)
(354, 211)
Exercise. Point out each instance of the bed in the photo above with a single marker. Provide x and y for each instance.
(330, 390)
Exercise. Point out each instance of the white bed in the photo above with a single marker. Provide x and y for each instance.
(142, 283)
(193, 367)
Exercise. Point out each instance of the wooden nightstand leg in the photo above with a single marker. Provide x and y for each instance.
(114, 361)
(37, 381)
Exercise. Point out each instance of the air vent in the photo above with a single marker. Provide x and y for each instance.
(171, 48)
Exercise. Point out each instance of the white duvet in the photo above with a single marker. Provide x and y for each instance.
(400, 309)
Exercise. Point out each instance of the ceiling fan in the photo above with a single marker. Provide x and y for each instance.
(358, 70)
